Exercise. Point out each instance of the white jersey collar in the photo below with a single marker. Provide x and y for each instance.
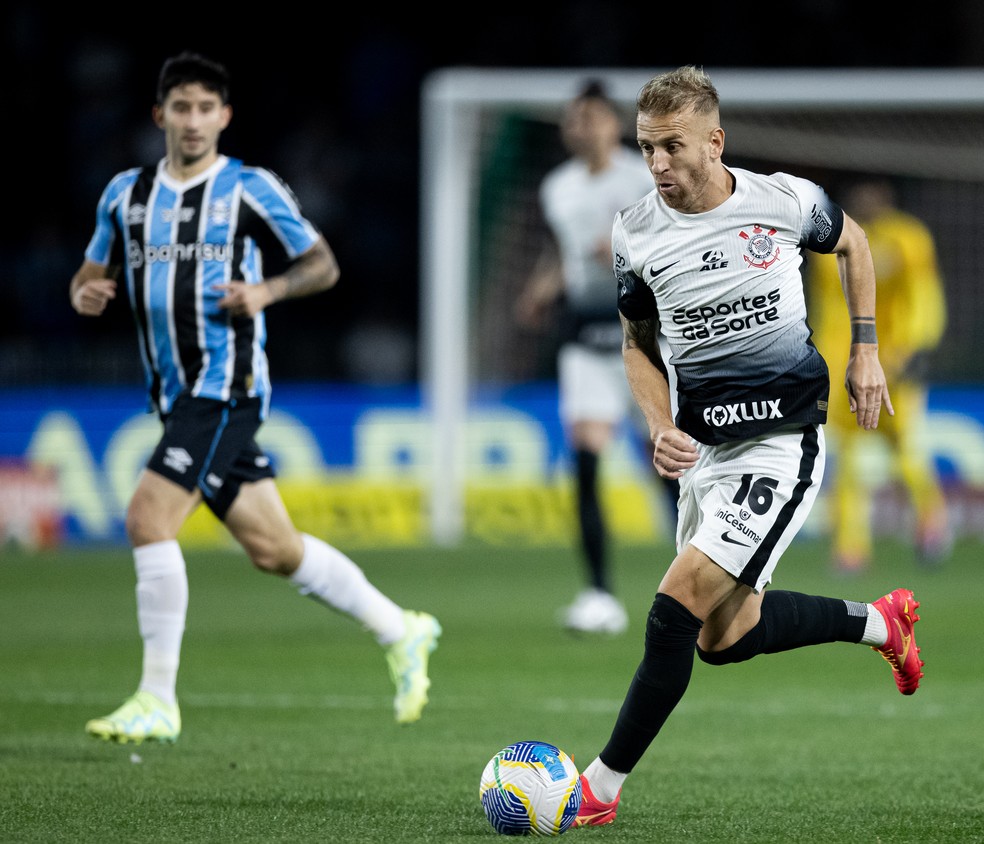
(178, 186)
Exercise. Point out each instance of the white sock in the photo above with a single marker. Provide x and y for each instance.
(605, 783)
(875, 631)
(330, 577)
(162, 606)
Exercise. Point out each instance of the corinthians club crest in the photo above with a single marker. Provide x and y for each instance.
(761, 250)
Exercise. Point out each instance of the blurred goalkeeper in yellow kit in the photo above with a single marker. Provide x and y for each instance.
(911, 318)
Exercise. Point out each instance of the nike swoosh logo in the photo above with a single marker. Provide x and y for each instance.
(588, 820)
(727, 538)
(653, 272)
(906, 642)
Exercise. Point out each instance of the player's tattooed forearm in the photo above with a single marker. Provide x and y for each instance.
(641, 333)
(303, 277)
(314, 271)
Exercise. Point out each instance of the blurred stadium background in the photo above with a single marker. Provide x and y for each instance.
(337, 111)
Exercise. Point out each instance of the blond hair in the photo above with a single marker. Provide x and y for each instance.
(688, 88)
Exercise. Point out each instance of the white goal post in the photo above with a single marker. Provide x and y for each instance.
(453, 101)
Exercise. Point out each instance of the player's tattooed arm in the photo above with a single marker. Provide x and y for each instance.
(641, 334)
(673, 451)
(312, 272)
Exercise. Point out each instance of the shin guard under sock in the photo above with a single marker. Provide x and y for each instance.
(792, 620)
(660, 681)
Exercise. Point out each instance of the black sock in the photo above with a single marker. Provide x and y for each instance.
(793, 620)
(660, 681)
(593, 538)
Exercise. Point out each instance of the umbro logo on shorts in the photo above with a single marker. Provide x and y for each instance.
(177, 459)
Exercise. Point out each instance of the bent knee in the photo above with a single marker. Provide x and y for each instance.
(744, 649)
(144, 525)
(157, 510)
(670, 622)
(715, 657)
(275, 555)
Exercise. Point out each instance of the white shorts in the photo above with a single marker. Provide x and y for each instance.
(744, 502)
(592, 385)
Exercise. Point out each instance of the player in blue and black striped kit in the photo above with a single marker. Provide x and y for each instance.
(206, 243)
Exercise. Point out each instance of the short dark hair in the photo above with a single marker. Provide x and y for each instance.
(594, 89)
(188, 67)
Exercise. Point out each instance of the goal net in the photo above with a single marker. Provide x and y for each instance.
(489, 136)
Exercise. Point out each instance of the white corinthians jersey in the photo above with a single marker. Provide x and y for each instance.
(726, 288)
(579, 206)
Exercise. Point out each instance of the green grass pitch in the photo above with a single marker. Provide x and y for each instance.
(287, 708)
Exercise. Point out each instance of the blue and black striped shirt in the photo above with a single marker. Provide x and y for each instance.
(176, 241)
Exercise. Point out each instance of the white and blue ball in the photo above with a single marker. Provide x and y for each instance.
(530, 788)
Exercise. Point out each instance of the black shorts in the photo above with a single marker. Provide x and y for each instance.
(211, 446)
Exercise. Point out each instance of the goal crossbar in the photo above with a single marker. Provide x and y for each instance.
(451, 102)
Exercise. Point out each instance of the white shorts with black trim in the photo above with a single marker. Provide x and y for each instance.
(744, 502)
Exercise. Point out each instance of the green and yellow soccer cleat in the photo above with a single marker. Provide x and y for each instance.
(143, 717)
(407, 660)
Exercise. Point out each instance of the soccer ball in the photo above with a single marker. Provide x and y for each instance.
(530, 788)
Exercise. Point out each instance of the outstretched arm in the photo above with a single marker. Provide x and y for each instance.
(314, 271)
(864, 380)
